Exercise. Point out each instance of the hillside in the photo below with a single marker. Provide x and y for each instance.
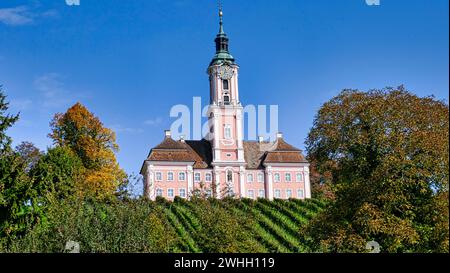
(197, 226)
(276, 228)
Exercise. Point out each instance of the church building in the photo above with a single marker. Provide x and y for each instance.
(225, 164)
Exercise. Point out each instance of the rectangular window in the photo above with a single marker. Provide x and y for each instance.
(249, 177)
(276, 177)
(208, 193)
(299, 177)
(159, 192)
(261, 194)
(197, 177)
(225, 84)
(277, 194)
(181, 176)
(288, 193)
(287, 176)
(300, 194)
(260, 177)
(208, 177)
(170, 176)
(158, 176)
(170, 193)
(251, 194)
(182, 193)
(227, 132)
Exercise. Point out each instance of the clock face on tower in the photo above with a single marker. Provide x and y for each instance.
(225, 72)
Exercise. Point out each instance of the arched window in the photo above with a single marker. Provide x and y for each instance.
(226, 85)
(229, 189)
(229, 176)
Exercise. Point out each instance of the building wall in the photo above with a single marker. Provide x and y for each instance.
(245, 182)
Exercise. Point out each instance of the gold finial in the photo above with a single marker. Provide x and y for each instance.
(220, 8)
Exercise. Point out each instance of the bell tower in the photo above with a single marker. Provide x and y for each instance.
(225, 110)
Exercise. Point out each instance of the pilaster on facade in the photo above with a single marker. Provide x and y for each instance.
(217, 182)
(190, 180)
(307, 182)
(269, 182)
(242, 182)
(149, 179)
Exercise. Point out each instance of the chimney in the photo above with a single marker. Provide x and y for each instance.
(279, 135)
(260, 139)
(168, 133)
(182, 138)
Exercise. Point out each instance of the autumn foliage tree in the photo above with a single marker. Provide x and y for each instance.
(385, 153)
(82, 132)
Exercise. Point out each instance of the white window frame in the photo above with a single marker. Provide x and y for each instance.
(199, 175)
(275, 177)
(260, 177)
(277, 194)
(299, 175)
(209, 193)
(227, 134)
(302, 195)
(261, 193)
(173, 193)
(158, 176)
(251, 194)
(208, 177)
(168, 176)
(288, 177)
(250, 178)
(159, 192)
(182, 190)
(182, 178)
(288, 193)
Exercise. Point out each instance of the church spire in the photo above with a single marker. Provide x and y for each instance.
(221, 21)
(222, 54)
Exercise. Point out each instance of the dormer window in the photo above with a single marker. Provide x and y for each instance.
(226, 85)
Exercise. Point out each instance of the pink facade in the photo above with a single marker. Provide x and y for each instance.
(226, 164)
(170, 181)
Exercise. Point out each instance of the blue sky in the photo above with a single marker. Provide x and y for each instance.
(129, 62)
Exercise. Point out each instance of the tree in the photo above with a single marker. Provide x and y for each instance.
(14, 183)
(6, 121)
(15, 193)
(82, 132)
(29, 153)
(57, 174)
(385, 152)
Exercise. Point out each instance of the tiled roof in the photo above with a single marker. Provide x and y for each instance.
(284, 157)
(200, 152)
(282, 146)
(189, 151)
(254, 153)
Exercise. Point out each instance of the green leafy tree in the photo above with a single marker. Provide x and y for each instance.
(57, 174)
(15, 195)
(386, 154)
